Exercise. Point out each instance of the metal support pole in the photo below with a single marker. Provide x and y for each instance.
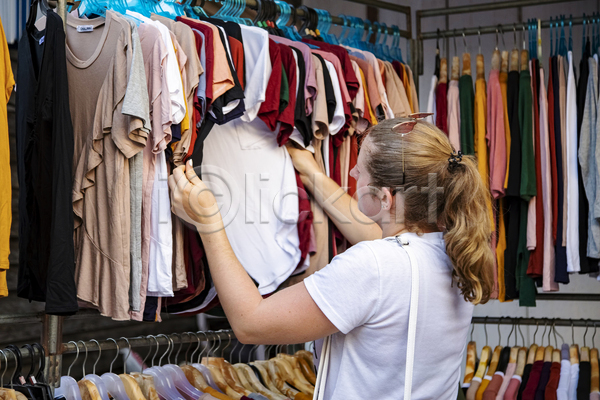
(52, 342)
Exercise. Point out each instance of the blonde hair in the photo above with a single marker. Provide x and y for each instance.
(460, 208)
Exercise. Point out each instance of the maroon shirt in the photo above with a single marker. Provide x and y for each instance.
(269, 109)
(533, 381)
(552, 385)
(287, 116)
(535, 268)
(342, 54)
(441, 107)
(305, 219)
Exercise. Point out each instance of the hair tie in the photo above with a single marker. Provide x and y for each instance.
(454, 159)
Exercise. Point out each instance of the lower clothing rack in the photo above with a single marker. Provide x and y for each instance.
(583, 323)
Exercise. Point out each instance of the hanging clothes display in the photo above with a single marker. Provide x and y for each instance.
(163, 88)
(7, 82)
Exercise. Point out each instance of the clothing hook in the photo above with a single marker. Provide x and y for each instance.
(509, 335)
(515, 327)
(515, 35)
(499, 333)
(5, 368)
(465, 40)
(232, 352)
(520, 331)
(228, 342)
(585, 333)
(455, 51)
(554, 330)
(240, 352)
(572, 332)
(147, 354)
(86, 355)
(544, 333)
(472, 329)
(99, 355)
(496, 38)
(479, 38)
(559, 335)
(128, 354)
(74, 361)
(168, 347)
(537, 326)
(172, 347)
(502, 36)
(188, 349)
(116, 355)
(485, 330)
(180, 345)
(205, 347)
(157, 347)
(549, 332)
(593, 337)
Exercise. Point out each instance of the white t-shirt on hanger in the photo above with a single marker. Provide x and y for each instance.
(365, 293)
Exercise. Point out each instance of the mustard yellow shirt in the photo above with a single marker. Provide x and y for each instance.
(7, 81)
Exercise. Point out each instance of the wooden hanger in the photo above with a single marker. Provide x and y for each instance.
(556, 356)
(9, 394)
(89, 391)
(289, 375)
(496, 60)
(307, 371)
(293, 362)
(231, 377)
(266, 377)
(307, 356)
(573, 349)
(195, 377)
(134, 392)
(471, 360)
(524, 60)
(146, 384)
(486, 354)
(466, 62)
(443, 70)
(504, 63)
(221, 383)
(494, 361)
(455, 73)
(248, 373)
(521, 361)
(275, 376)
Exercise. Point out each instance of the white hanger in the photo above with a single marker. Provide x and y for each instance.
(68, 386)
(113, 383)
(162, 379)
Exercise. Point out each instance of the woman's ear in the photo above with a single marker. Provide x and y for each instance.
(387, 199)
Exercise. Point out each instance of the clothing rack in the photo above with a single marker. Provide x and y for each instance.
(52, 325)
(53, 372)
(582, 323)
(437, 12)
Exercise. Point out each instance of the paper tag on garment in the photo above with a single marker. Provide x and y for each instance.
(42, 40)
(85, 28)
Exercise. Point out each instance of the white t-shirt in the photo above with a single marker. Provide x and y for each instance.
(365, 293)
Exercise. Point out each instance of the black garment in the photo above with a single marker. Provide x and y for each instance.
(540, 392)
(301, 120)
(503, 360)
(585, 380)
(561, 275)
(329, 93)
(236, 93)
(524, 379)
(513, 195)
(150, 309)
(586, 263)
(44, 164)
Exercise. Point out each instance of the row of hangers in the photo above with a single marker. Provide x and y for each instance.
(282, 377)
(31, 386)
(277, 16)
(490, 360)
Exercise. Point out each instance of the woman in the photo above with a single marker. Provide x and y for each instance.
(414, 187)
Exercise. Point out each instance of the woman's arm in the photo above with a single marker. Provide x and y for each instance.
(339, 205)
(289, 316)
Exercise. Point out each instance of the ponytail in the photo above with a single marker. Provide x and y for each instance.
(468, 231)
(462, 212)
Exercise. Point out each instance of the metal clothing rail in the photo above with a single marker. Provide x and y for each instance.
(492, 6)
(583, 323)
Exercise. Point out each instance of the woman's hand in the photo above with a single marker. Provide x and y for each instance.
(193, 201)
(304, 161)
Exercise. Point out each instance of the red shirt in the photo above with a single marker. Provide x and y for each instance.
(269, 109)
(535, 268)
(441, 107)
(287, 116)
